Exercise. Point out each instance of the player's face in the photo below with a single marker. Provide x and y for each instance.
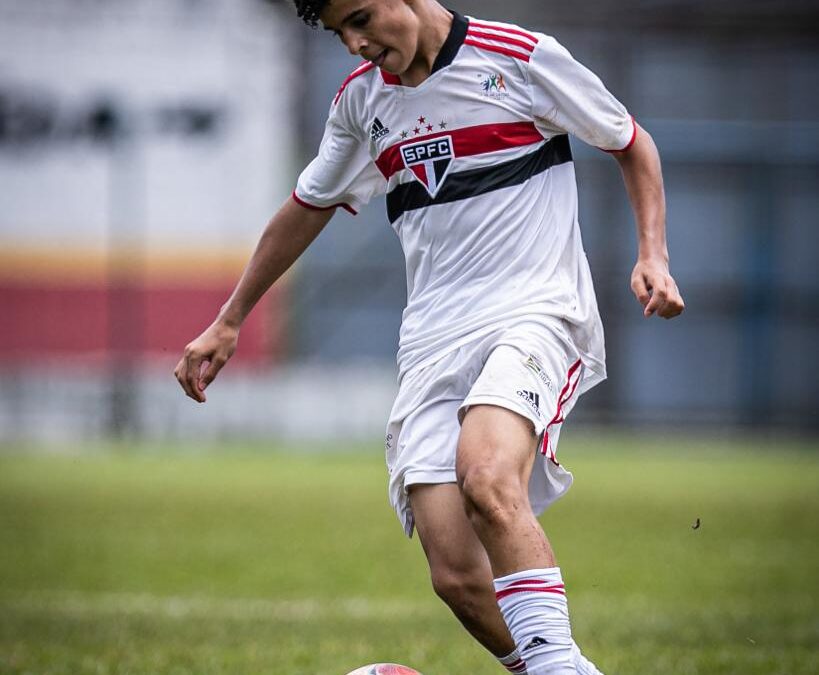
(382, 31)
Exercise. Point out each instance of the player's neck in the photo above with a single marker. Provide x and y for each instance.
(437, 22)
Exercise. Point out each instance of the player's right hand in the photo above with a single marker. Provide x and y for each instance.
(204, 357)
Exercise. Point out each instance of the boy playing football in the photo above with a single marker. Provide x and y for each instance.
(463, 125)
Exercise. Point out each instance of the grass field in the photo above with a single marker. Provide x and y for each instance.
(168, 560)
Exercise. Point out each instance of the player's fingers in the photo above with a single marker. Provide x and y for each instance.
(179, 374)
(191, 363)
(210, 370)
(659, 295)
(674, 304)
(640, 290)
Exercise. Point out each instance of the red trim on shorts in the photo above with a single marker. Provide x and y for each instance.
(565, 395)
(631, 142)
(501, 38)
(497, 50)
(312, 207)
(505, 29)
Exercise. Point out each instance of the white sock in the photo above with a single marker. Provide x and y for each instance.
(513, 663)
(533, 604)
(583, 665)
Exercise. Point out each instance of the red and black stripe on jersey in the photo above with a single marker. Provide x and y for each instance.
(473, 182)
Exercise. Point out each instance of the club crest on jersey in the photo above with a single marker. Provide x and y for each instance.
(429, 161)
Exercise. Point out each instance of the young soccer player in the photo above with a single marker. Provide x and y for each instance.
(464, 125)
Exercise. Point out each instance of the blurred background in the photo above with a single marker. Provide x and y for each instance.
(144, 145)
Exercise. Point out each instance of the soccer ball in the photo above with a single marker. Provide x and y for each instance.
(384, 669)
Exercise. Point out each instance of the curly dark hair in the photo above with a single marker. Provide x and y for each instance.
(309, 10)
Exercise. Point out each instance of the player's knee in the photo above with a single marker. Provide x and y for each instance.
(488, 494)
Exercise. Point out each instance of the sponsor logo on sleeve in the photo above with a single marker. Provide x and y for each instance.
(494, 86)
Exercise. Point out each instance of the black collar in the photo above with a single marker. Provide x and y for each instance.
(453, 42)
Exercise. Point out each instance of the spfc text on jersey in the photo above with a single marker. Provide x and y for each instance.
(429, 161)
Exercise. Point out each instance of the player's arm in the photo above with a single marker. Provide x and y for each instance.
(651, 281)
(284, 239)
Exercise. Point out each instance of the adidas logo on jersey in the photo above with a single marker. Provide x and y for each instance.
(378, 130)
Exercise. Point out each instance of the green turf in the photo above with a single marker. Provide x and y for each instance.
(162, 560)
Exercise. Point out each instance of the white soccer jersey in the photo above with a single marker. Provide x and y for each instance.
(480, 188)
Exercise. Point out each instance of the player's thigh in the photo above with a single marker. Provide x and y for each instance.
(495, 444)
(452, 548)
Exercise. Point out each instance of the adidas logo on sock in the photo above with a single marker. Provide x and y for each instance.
(537, 641)
(378, 130)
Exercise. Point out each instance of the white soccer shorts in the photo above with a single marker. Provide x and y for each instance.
(530, 368)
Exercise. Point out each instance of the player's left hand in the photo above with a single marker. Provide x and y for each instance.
(655, 289)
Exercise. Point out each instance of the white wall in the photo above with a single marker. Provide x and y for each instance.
(154, 63)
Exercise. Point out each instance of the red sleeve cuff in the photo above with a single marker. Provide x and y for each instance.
(631, 141)
(306, 205)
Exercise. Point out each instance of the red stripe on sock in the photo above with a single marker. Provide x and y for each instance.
(500, 595)
(531, 582)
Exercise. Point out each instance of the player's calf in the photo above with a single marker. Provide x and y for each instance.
(470, 597)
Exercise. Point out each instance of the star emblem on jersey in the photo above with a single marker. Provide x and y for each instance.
(429, 160)
(423, 125)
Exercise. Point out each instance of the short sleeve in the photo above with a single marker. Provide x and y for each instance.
(568, 96)
(343, 173)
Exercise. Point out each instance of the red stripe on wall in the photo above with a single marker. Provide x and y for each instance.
(56, 321)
